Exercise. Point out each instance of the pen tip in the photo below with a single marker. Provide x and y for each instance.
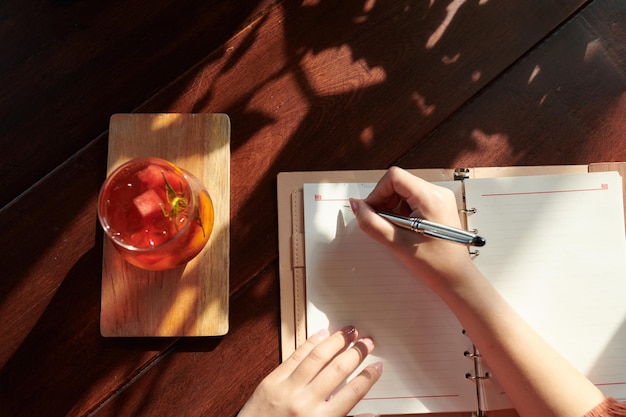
(479, 241)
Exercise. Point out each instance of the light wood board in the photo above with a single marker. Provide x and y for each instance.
(191, 300)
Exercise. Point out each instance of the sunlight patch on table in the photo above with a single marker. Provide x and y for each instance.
(322, 74)
(451, 11)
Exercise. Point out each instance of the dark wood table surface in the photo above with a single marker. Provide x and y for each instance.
(313, 85)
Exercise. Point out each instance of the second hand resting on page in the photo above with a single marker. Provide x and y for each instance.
(543, 386)
(301, 386)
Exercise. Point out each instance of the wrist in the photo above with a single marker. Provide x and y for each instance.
(459, 280)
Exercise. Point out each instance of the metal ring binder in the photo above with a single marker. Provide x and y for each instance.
(474, 252)
(461, 174)
(477, 377)
(470, 210)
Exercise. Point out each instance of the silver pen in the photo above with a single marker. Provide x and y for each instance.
(432, 229)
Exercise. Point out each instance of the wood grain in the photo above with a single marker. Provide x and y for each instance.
(66, 56)
(314, 85)
(191, 300)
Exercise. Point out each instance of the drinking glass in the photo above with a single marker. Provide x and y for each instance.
(157, 215)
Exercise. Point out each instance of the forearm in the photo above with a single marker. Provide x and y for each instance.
(534, 376)
(537, 379)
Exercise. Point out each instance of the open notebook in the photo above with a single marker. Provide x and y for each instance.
(555, 250)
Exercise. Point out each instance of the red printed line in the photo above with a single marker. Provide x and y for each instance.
(603, 187)
(610, 383)
(410, 396)
(320, 198)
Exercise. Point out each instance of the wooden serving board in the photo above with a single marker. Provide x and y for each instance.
(191, 300)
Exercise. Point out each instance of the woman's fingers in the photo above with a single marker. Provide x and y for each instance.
(406, 194)
(382, 230)
(341, 367)
(346, 398)
(370, 222)
(302, 384)
(396, 186)
(293, 361)
(322, 354)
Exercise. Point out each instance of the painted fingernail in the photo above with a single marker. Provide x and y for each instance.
(350, 333)
(378, 367)
(368, 342)
(354, 205)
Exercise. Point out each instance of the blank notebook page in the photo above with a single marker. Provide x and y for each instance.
(556, 251)
(353, 280)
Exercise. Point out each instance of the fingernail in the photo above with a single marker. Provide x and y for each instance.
(368, 342)
(349, 332)
(354, 205)
(378, 367)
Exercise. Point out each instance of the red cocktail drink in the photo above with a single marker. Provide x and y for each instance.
(157, 215)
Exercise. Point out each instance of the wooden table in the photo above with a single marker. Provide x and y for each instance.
(315, 86)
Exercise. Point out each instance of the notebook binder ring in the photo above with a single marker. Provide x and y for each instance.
(461, 174)
(469, 210)
(477, 377)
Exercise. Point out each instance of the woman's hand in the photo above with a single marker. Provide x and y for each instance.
(541, 387)
(436, 261)
(302, 385)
